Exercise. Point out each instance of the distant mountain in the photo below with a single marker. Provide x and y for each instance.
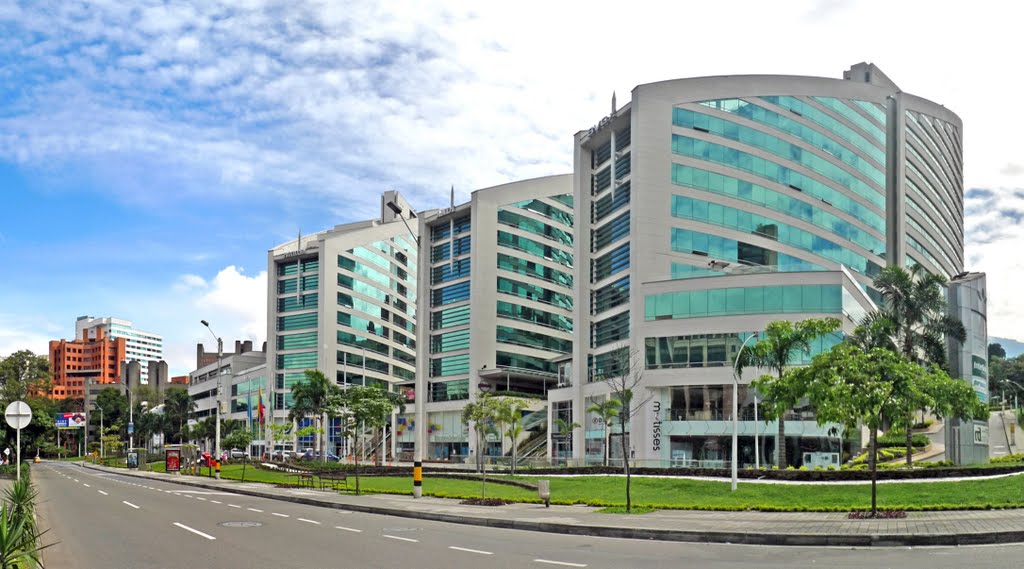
(1013, 347)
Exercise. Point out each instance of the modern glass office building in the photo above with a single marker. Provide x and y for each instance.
(496, 297)
(706, 208)
(367, 336)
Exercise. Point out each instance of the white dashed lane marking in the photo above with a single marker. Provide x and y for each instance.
(354, 530)
(102, 492)
(126, 503)
(470, 550)
(195, 531)
(308, 521)
(400, 538)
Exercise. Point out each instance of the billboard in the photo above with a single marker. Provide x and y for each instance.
(69, 420)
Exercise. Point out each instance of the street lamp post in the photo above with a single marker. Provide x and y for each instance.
(735, 411)
(216, 403)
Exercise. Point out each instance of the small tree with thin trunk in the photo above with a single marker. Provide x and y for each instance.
(482, 414)
(624, 381)
(371, 407)
(240, 439)
(564, 429)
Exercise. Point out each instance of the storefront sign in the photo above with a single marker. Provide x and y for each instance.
(172, 460)
(656, 427)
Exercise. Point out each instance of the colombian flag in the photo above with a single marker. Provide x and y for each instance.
(262, 415)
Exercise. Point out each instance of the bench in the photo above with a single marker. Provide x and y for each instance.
(304, 478)
(334, 480)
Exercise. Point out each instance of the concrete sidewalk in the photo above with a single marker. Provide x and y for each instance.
(757, 528)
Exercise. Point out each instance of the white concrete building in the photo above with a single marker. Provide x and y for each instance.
(496, 283)
(140, 346)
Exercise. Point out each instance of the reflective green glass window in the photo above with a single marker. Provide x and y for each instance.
(528, 314)
(292, 303)
(346, 281)
(601, 154)
(535, 248)
(295, 341)
(699, 210)
(605, 206)
(735, 188)
(744, 300)
(547, 210)
(773, 144)
(533, 269)
(534, 292)
(451, 365)
(360, 361)
(817, 116)
(528, 363)
(601, 180)
(517, 337)
(296, 321)
(461, 225)
(300, 360)
(355, 341)
(612, 329)
(450, 271)
(450, 341)
(566, 199)
(449, 317)
(402, 373)
(291, 268)
(773, 171)
(853, 116)
(363, 325)
(364, 271)
(288, 285)
(457, 390)
(440, 231)
(609, 296)
(534, 226)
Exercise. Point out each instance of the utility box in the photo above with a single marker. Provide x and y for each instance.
(822, 459)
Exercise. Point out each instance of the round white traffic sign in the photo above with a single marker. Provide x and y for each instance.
(18, 415)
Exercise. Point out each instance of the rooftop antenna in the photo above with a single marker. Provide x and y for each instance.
(613, 102)
(452, 199)
(298, 247)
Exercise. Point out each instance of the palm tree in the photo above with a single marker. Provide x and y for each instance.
(607, 410)
(314, 396)
(564, 429)
(511, 413)
(482, 413)
(178, 404)
(783, 341)
(915, 304)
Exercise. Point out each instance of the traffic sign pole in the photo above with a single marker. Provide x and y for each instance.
(18, 415)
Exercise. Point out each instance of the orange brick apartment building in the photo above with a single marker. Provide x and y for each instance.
(74, 363)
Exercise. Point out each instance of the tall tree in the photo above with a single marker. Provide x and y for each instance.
(996, 350)
(368, 407)
(315, 396)
(178, 405)
(915, 303)
(850, 385)
(23, 373)
(783, 342)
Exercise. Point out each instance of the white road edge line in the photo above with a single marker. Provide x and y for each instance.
(470, 550)
(308, 521)
(126, 503)
(279, 515)
(400, 538)
(354, 530)
(102, 492)
(195, 531)
(565, 563)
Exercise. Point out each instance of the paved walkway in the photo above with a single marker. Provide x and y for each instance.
(918, 528)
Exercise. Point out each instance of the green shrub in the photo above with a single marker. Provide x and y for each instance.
(897, 439)
(1016, 457)
(924, 424)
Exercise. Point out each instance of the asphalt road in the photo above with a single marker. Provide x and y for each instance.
(110, 521)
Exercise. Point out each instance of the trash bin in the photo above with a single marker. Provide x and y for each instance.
(544, 492)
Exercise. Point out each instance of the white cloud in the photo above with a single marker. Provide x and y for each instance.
(21, 334)
(993, 237)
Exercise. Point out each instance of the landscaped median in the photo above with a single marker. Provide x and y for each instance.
(687, 494)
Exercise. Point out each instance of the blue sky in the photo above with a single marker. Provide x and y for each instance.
(150, 154)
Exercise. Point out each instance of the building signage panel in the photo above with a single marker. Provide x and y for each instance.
(69, 420)
(980, 435)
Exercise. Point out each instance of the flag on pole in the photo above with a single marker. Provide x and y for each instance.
(261, 410)
(248, 408)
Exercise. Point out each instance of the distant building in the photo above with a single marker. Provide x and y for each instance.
(141, 346)
(179, 380)
(86, 359)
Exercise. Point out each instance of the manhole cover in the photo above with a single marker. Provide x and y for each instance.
(240, 524)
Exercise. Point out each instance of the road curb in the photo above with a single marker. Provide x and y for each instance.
(741, 538)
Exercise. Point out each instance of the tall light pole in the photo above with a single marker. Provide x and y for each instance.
(419, 413)
(735, 411)
(216, 403)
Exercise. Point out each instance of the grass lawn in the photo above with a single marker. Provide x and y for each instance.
(676, 493)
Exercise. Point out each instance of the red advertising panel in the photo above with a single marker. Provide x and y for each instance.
(173, 460)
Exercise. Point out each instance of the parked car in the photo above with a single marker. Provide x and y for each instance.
(237, 454)
(315, 455)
